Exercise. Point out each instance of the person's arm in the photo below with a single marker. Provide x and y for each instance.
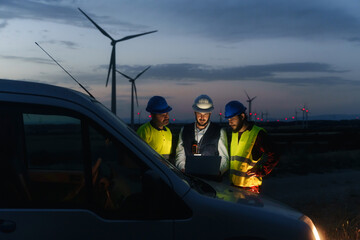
(180, 157)
(223, 151)
(264, 145)
(144, 133)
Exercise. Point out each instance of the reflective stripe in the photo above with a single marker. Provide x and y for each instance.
(237, 173)
(237, 158)
(243, 160)
(166, 156)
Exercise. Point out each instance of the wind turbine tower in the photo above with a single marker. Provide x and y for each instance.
(133, 92)
(139, 115)
(220, 116)
(112, 65)
(249, 101)
(305, 112)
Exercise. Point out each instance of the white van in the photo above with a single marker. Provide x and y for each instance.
(71, 169)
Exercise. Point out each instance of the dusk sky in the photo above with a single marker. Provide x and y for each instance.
(286, 53)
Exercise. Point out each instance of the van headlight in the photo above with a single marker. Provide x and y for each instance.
(308, 221)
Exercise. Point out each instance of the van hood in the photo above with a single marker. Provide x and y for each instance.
(246, 198)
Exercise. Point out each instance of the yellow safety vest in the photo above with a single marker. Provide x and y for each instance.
(159, 140)
(241, 158)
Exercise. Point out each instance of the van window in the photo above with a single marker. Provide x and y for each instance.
(54, 159)
(58, 159)
(13, 188)
(118, 186)
(53, 142)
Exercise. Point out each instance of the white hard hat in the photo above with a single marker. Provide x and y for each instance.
(203, 104)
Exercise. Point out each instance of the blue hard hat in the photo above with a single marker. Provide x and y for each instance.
(158, 104)
(234, 108)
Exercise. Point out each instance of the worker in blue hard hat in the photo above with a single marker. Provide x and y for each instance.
(248, 148)
(202, 137)
(155, 132)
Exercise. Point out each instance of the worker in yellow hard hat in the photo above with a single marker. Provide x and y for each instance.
(155, 132)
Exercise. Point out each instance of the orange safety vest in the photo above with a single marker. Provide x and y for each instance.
(241, 159)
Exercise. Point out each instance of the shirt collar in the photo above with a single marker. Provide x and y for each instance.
(205, 129)
(164, 128)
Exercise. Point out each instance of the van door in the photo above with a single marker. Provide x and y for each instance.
(63, 176)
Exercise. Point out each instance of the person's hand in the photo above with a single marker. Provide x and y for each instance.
(251, 172)
(183, 170)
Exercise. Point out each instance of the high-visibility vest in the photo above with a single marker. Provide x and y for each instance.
(241, 158)
(159, 140)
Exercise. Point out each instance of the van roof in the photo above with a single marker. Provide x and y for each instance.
(43, 89)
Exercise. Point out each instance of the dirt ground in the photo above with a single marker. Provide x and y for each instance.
(331, 200)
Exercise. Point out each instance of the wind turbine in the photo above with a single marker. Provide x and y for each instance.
(220, 116)
(266, 116)
(249, 101)
(133, 90)
(305, 112)
(112, 65)
(139, 115)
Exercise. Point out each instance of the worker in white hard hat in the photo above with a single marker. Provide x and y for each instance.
(202, 137)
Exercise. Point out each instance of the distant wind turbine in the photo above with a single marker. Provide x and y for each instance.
(112, 65)
(133, 90)
(249, 101)
(305, 112)
(220, 115)
(139, 115)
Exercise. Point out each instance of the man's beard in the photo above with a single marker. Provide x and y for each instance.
(204, 124)
(237, 129)
(165, 122)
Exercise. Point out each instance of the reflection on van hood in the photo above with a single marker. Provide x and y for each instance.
(236, 195)
(243, 197)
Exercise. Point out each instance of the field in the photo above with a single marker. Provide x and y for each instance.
(318, 173)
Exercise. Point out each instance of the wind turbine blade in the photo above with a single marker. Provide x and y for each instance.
(137, 103)
(97, 26)
(253, 98)
(133, 36)
(110, 65)
(141, 73)
(247, 95)
(125, 76)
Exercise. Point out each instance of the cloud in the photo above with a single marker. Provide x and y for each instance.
(3, 24)
(225, 21)
(249, 19)
(61, 12)
(28, 59)
(320, 81)
(354, 39)
(186, 74)
(68, 44)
